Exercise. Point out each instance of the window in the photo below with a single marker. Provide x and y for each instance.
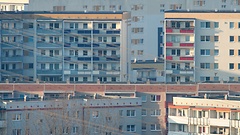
(121, 112)
(187, 38)
(114, 39)
(216, 52)
(231, 65)
(85, 79)
(216, 24)
(155, 98)
(65, 130)
(120, 128)
(85, 66)
(238, 52)
(155, 112)
(74, 130)
(204, 78)
(108, 118)
(85, 52)
(85, 39)
(95, 114)
(16, 117)
(216, 78)
(215, 66)
(205, 24)
(231, 78)
(155, 127)
(231, 52)
(85, 25)
(238, 38)
(131, 113)
(144, 112)
(144, 98)
(131, 128)
(238, 65)
(205, 52)
(231, 25)
(113, 25)
(144, 126)
(43, 66)
(216, 38)
(231, 38)
(238, 24)
(205, 38)
(140, 52)
(16, 132)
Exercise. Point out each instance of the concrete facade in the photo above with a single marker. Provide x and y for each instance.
(73, 46)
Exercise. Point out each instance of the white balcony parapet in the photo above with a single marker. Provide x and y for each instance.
(177, 133)
(178, 119)
(219, 122)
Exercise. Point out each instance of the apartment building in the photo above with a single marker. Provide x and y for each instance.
(76, 115)
(73, 46)
(204, 116)
(147, 29)
(13, 5)
(207, 50)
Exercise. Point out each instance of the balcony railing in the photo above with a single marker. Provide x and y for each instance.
(187, 58)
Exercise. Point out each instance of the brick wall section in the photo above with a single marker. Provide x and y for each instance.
(181, 88)
(150, 88)
(212, 87)
(120, 87)
(174, 88)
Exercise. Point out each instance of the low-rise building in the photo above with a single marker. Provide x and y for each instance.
(204, 116)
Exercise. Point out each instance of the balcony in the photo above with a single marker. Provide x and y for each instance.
(169, 57)
(11, 32)
(77, 72)
(177, 133)
(49, 45)
(187, 44)
(3, 123)
(178, 119)
(187, 58)
(219, 122)
(169, 30)
(187, 31)
(112, 31)
(16, 58)
(236, 123)
(49, 72)
(49, 59)
(169, 44)
(199, 121)
(41, 31)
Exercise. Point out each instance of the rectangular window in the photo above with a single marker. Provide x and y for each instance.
(231, 78)
(231, 25)
(120, 112)
(144, 126)
(231, 65)
(131, 113)
(74, 130)
(144, 112)
(238, 38)
(113, 25)
(17, 132)
(16, 117)
(205, 38)
(95, 114)
(205, 52)
(216, 24)
(216, 52)
(215, 66)
(231, 38)
(155, 112)
(216, 38)
(131, 128)
(155, 127)
(85, 66)
(205, 24)
(205, 65)
(238, 65)
(144, 98)
(114, 39)
(155, 98)
(120, 128)
(231, 52)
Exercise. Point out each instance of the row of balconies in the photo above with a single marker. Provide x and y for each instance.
(95, 45)
(180, 58)
(204, 121)
(89, 31)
